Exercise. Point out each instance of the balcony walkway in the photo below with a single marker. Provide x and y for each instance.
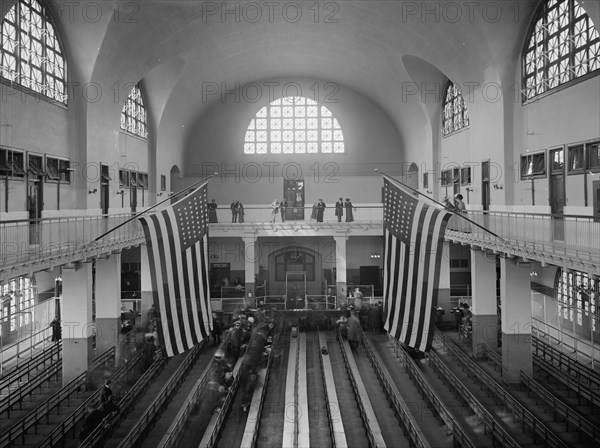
(570, 241)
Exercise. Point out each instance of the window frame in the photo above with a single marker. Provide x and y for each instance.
(48, 20)
(9, 163)
(539, 49)
(464, 181)
(127, 116)
(163, 182)
(455, 115)
(571, 150)
(63, 166)
(426, 180)
(588, 158)
(533, 175)
(31, 169)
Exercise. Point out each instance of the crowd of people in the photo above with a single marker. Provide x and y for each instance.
(250, 333)
(343, 208)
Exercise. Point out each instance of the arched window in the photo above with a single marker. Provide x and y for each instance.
(455, 113)
(30, 52)
(577, 297)
(133, 115)
(562, 45)
(294, 125)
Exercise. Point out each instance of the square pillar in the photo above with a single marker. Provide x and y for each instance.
(77, 325)
(147, 297)
(484, 309)
(250, 254)
(444, 284)
(340, 269)
(515, 296)
(108, 303)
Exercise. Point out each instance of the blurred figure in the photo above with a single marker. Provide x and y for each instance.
(56, 330)
(339, 209)
(274, 208)
(349, 210)
(212, 211)
(353, 329)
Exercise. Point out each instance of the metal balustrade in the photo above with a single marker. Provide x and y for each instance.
(69, 424)
(33, 418)
(491, 423)
(411, 427)
(427, 391)
(336, 427)
(492, 355)
(566, 363)
(518, 410)
(25, 370)
(573, 374)
(31, 241)
(571, 417)
(367, 414)
(112, 420)
(163, 396)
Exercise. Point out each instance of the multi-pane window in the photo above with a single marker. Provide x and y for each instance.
(133, 115)
(58, 169)
(455, 113)
(577, 296)
(593, 155)
(576, 159)
(30, 53)
(563, 45)
(294, 125)
(465, 176)
(12, 163)
(557, 160)
(425, 180)
(17, 308)
(533, 165)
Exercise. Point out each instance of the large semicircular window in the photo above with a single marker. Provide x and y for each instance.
(294, 125)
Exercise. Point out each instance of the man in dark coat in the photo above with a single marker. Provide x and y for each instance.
(320, 210)
(339, 209)
(106, 392)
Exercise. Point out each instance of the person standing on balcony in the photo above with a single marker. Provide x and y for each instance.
(282, 209)
(234, 211)
(240, 212)
(320, 210)
(459, 205)
(339, 209)
(349, 210)
(212, 211)
(274, 209)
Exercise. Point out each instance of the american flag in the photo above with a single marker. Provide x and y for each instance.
(414, 237)
(177, 250)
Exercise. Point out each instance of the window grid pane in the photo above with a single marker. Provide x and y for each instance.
(563, 46)
(294, 125)
(133, 116)
(455, 115)
(30, 54)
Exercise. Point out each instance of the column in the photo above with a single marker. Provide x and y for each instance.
(77, 325)
(108, 303)
(515, 296)
(340, 268)
(147, 298)
(484, 309)
(250, 254)
(444, 284)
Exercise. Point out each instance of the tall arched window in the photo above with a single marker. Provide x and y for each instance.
(133, 115)
(294, 125)
(30, 52)
(455, 113)
(562, 45)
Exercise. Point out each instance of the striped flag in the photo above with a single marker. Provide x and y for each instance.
(414, 237)
(177, 250)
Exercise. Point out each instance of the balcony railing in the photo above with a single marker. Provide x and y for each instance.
(37, 240)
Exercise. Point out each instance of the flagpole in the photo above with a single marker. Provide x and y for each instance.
(440, 204)
(155, 205)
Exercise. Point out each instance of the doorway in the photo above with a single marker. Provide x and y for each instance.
(293, 194)
(485, 185)
(596, 195)
(35, 204)
(295, 290)
(104, 189)
(557, 193)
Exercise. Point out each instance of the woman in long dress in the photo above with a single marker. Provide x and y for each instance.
(349, 210)
(212, 211)
(313, 215)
